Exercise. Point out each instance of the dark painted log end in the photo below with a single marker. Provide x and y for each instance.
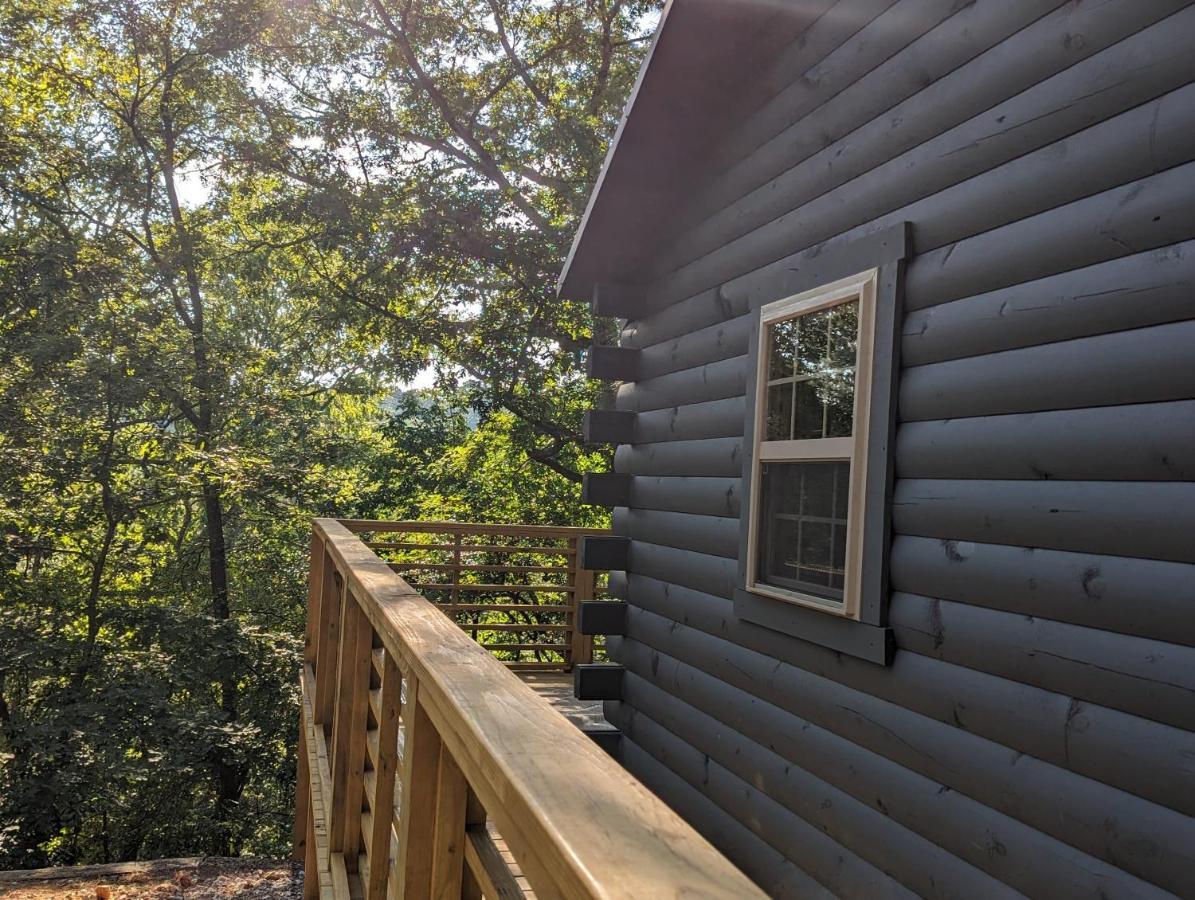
(608, 426)
(608, 740)
(603, 553)
(597, 681)
(606, 489)
(612, 363)
(602, 617)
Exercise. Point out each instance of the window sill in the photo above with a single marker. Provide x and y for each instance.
(869, 642)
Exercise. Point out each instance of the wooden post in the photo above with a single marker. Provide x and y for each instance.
(582, 581)
(302, 796)
(348, 732)
(315, 585)
(311, 873)
(452, 793)
(383, 801)
(328, 642)
(420, 762)
(315, 593)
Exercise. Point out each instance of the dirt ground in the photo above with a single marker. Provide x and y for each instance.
(183, 879)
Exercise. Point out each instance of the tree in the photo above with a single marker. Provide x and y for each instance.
(228, 233)
(451, 144)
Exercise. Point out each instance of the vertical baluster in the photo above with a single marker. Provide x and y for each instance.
(383, 809)
(452, 792)
(420, 761)
(475, 819)
(328, 641)
(315, 583)
(302, 796)
(348, 732)
(311, 873)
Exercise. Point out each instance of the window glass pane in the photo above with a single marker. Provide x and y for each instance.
(838, 391)
(801, 542)
(812, 365)
(844, 334)
(811, 412)
(813, 334)
(781, 346)
(780, 408)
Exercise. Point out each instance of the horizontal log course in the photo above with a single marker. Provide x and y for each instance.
(701, 534)
(1129, 292)
(715, 381)
(1144, 677)
(705, 345)
(691, 421)
(943, 65)
(873, 807)
(776, 875)
(899, 711)
(612, 363)
(1137, 291)
(1151, 212)
(600, 553)
(602, 617)
(1135, 442)
(608, 426)
(1143, 597)
(621, 301)
(840, 869)
(939, 152)
(1145, 365)
(865, 247)
(606, 489)
(1150, 520)
(1150, 842)
(709, 458)
(699, 496)
(831, 768)
(597, 681)
(716, 575)
(766, 142)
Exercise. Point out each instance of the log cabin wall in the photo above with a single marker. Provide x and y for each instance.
(1034, 733)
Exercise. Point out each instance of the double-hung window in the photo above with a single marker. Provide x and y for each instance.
(815, 524)
(811, 415)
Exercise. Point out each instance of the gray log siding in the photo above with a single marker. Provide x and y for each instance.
(1035, 731)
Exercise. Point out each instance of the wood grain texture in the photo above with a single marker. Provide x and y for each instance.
(489, 722)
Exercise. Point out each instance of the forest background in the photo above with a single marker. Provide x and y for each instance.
(262, 260)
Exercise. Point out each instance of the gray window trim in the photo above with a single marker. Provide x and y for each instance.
(868, 637)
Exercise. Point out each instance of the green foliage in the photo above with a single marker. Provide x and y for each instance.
(229, 233)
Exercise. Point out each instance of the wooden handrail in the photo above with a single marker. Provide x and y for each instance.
(422, 758)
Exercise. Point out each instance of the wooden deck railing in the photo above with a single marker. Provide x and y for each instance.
(514, 588)
(428, 769)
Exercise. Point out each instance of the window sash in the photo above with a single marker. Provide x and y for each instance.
(851, 449)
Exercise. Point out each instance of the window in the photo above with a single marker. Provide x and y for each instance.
(814, 372)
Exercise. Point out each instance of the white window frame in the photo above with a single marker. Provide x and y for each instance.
(861, 287)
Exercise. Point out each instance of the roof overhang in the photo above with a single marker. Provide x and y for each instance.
(689, 87)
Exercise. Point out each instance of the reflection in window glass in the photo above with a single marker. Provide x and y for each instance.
(803, 527)
(811, 374)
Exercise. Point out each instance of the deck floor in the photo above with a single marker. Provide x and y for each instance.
(557, 689)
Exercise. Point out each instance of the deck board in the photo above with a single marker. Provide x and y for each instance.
(557, 689)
